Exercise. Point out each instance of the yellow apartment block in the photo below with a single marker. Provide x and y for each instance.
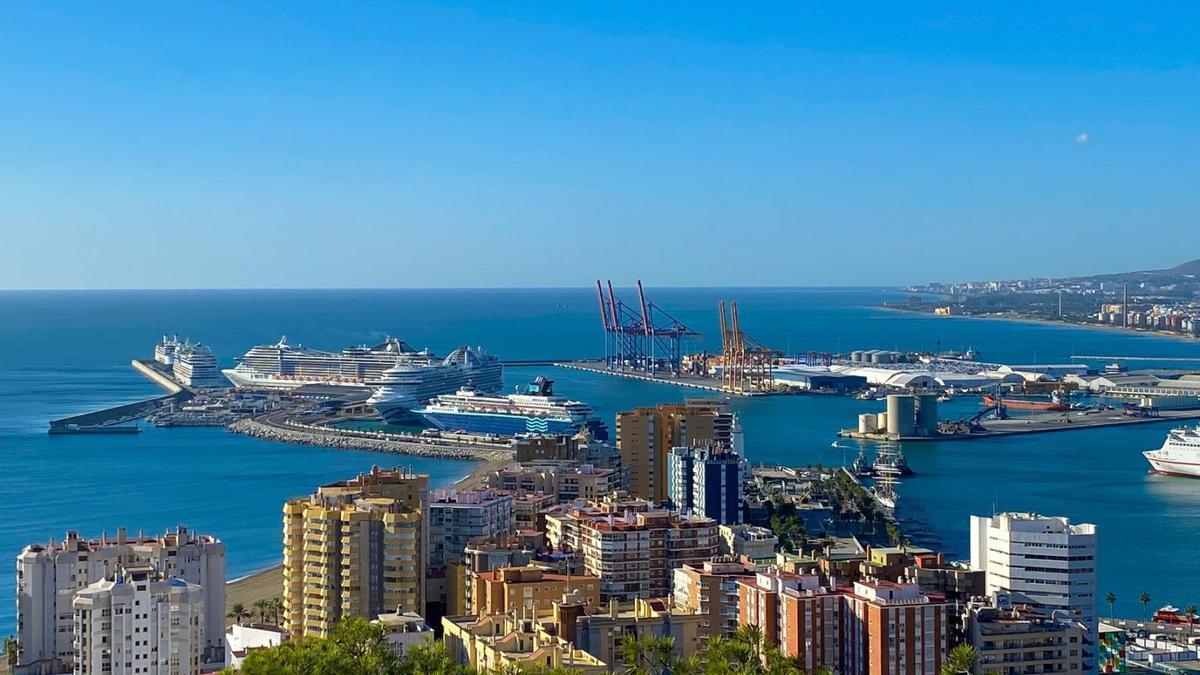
(515, 589)
(355, 548)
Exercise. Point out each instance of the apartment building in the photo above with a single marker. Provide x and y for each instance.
(50, 576)
(528, 588)
(645, 436)
(891, 628)
(355, 548)
(1010, 638)
(711, 590)
(1042, 561)
(139, 622)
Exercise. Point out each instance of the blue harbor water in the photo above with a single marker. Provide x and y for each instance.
(69, 352)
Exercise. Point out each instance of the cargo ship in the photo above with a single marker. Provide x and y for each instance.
(1053, 405)
(535, 410)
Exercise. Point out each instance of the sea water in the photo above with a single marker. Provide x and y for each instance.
(68, 352)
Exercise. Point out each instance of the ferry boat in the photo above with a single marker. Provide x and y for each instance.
(1179, 454)
(535, 410)
(194, 365)
(285, 366)
(417, 378)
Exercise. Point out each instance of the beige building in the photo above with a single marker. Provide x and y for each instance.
(139, 622)
(711, 590)
(751, 541)
(568, 481)
(483, 556)
(50, 575)
(518, 589)
(355, 548)
(600, 633)
(507, 642)
(632, 548)
(1010, 638)
(645, 436)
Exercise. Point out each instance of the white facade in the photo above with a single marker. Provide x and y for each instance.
(49, 577)
(139, 623)
(457, 518)
(241, 640)
(404, 630)
(1039, 560)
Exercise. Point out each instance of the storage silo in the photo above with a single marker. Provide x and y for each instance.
(876, 356)
(901, 414)
(866, 423)
(927, 414)
(856, 356)
(881, 421)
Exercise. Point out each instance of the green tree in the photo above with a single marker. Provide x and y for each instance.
(12, 652)
(1144, 598)
(238, 612)
(1190, 611)
(650, 655)
(1111, 599)
(960, 661)
(263, 607)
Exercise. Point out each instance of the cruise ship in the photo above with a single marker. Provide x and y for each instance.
(285, 366)
(536, 410)
(194, 365)
(1179, 455)
(418, 377)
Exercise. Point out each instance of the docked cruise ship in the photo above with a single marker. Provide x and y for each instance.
(417, 378)
(537, 410)
(285, 366)
(1179, 455)
(194, 365)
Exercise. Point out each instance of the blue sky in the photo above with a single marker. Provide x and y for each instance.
(533, 144)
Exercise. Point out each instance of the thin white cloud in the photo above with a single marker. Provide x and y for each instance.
(1082, 138)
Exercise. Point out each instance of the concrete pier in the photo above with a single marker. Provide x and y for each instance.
(110, 420)
(1037, 424)
(692, 381)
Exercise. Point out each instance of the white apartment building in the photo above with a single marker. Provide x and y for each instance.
(458, 518)
(1043, 561)
(139, 622)
(49, 576)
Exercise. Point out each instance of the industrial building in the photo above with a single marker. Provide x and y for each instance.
(907, 416)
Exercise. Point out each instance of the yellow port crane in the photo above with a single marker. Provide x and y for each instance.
(747, 366)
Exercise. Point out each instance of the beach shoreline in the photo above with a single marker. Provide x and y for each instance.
(1050, 322)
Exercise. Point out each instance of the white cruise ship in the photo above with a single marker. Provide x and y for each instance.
(164, 351)
(417, 378)
(1179, 455)
(194, 365)
(536, 410)
(285, 366)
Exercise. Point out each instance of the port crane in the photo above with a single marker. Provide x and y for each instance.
(641, 338)
(746, 365)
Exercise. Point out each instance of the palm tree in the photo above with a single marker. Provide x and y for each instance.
(1144, 598)
(1111, 599)
(238, 612)
(277, 610)
(262, 606)
(1190, 610)
(960, 661)
(12, 652)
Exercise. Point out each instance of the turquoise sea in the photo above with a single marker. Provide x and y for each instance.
(68, 352)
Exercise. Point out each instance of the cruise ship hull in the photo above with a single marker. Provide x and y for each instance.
(250, 379)
(1171, 466)
(508, 425)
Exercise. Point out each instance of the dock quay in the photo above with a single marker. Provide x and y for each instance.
(114, 419)
(1036, 424)
(275, 429)
(692, 381)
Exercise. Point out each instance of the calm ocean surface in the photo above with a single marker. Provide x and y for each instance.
(69, 352)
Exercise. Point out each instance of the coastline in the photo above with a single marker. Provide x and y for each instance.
(1048, 322)
(267, 583)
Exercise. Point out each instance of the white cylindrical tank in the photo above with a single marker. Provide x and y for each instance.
(927, 414)
(901, 414)
(866, 423)
(881, 421)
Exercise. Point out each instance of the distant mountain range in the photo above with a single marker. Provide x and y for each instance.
(1187, 269)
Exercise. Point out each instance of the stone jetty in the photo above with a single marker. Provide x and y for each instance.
(374, 442)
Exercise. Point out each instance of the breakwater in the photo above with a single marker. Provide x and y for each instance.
(349, 440)
(109, 419)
